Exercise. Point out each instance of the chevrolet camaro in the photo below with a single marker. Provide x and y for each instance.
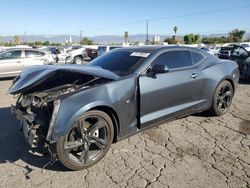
(78, 111)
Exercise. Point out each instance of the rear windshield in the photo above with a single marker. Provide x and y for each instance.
(119, 62)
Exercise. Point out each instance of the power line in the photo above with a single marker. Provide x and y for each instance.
(170, 17)
(201, 13)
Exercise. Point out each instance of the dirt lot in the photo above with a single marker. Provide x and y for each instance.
(196, 151)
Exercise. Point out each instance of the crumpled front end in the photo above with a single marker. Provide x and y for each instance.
(37, 113)
(39, 101)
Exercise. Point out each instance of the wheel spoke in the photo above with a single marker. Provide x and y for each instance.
(80, 125)
(85, 154)
(99, 142)
(73, 144)
(227, 94)
(98, 125)
(226, 104)
(220, 106)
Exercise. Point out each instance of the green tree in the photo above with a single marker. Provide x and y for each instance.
(38, 43)
(236, 35)
(191, 38)
(126, 37)
(86, 41)
(16, 39)
(170, 40)
(55, 44)
(46, 43)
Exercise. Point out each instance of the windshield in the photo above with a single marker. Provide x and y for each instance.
(119, 62)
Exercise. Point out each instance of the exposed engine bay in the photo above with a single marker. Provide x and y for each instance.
(35, 108)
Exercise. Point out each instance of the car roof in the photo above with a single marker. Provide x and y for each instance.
(151, 48)
(11, 49)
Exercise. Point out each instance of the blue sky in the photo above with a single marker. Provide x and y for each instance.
(99, 17)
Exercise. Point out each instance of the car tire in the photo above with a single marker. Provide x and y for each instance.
(222, 98)
(78, 60)
(87, 142)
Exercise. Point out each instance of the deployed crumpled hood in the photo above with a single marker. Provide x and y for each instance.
(37, 74)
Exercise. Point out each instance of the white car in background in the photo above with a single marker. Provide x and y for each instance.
(212, 50)
(105, 48)
(12, 61)
(71, 54)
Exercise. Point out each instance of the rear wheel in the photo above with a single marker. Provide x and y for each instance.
(78, 60)
(222, 98)
(87, 142)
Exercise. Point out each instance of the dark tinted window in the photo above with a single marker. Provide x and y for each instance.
(197, 57)
(245, 45)
(11, 55)
(175, 59)
(31, 53)
(119, 62)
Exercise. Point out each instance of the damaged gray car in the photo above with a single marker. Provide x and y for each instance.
(79, 111)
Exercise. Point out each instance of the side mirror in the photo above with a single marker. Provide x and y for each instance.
(159, 68)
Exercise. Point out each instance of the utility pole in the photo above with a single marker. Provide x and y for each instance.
(80, 36)
(146, 32)
(25, 37)
(50, 35)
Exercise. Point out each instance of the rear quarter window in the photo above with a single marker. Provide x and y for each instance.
(196, 57)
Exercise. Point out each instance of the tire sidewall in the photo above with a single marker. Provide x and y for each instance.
(76, 58)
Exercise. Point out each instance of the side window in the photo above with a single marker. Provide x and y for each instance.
(240, 52)
(196, 57)
(31, 53)
(12, 55)
(175, 59)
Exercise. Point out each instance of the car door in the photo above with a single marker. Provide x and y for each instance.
(171, 94)
(240, 55)
(33, 57)
(11, 63)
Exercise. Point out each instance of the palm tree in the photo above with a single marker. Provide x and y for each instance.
(16, 39)
(175, 31)
(126, 37)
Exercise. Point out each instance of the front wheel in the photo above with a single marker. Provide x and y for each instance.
(222, 98)
(87, 142)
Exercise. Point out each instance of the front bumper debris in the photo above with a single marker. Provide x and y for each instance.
(29, 129)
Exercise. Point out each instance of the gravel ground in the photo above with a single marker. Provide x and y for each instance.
(196, 151)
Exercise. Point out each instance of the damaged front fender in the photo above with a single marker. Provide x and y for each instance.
(120, 96)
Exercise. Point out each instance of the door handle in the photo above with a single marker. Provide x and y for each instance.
(18, 61)
(193, 75)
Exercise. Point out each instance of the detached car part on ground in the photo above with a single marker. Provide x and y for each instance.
(79, 111)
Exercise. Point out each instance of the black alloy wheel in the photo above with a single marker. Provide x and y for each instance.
(87, 142)
(222, 98)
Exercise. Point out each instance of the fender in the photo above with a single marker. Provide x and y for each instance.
(61, 129)
(122, 100)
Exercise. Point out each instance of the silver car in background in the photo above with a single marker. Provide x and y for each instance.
(13, 61)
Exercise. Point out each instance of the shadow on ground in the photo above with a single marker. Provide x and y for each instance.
(14, 147)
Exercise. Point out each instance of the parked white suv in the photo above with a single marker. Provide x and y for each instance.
(13, 61)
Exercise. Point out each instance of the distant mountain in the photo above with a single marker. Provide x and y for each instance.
(101, 39)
